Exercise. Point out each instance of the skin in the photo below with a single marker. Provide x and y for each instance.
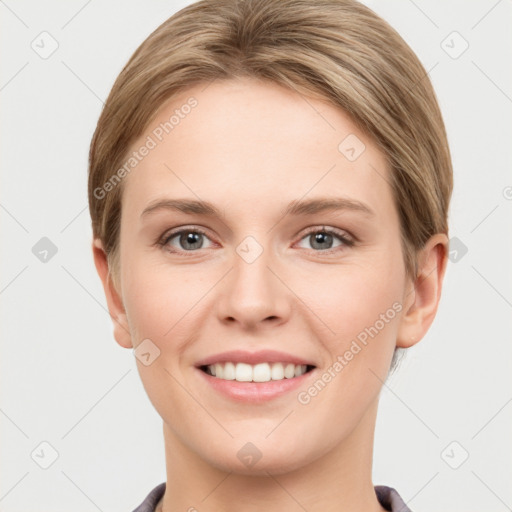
(250, 148)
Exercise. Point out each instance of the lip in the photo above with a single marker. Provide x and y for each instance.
(254, 392)
(252, 358)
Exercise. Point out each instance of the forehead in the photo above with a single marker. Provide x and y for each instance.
(251, 142)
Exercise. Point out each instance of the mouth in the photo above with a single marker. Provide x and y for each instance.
(261, 372)
(254, 377)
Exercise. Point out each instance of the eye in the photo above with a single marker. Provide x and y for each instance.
(187, 240)
(321, 239)
(191, 239)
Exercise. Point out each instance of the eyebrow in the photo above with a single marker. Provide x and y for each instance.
(297, 207)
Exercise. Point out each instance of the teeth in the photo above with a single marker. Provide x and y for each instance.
(229, 371)
(243, 372)
(262, 372)
(289, 371)
(277, 372)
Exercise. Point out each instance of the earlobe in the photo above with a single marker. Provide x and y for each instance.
(114, 302)
(422, 300)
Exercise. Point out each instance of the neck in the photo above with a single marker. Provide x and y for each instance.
(337, 480)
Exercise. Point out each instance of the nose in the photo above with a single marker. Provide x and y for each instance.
(254, 293)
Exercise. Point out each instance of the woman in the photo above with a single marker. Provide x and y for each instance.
(269, 184)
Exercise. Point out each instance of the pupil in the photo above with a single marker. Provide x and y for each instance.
(322, 238)
(190, 239)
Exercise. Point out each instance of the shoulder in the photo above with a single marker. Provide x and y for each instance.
(390, 499)
(387, 496)
(151, 500)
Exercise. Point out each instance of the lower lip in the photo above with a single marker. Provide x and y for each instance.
(254, 391)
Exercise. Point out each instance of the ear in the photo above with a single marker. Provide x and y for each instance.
(114, 301)
(421, 300)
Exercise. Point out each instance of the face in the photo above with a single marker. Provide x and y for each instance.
(267, 282)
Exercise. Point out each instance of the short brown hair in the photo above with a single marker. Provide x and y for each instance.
(335, 50)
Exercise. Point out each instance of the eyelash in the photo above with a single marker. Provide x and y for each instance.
(346, 241)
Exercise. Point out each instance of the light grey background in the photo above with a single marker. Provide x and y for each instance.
(65, 381)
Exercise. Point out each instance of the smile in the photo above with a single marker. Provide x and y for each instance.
(261, 372)
(255, 377)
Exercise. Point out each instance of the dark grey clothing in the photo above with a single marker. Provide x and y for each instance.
(387, 497)
(149, 504)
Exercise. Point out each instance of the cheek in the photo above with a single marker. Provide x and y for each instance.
(350, 299)
(160, 308)
(361, 307)
(158, 298)
(362, 310)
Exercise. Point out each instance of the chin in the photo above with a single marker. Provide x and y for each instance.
(248, 459)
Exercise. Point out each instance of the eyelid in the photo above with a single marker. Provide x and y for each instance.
(163, 240)
(344, 236)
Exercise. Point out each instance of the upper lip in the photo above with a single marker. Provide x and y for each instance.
(252, 358)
